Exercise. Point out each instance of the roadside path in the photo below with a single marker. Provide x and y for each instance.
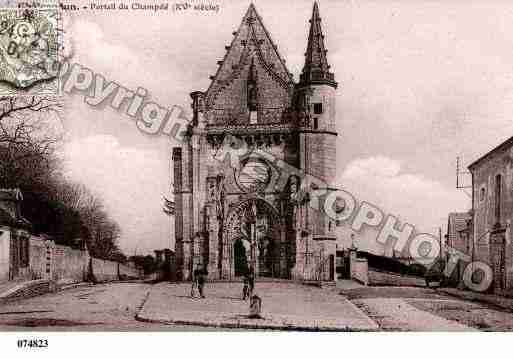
(397, 314)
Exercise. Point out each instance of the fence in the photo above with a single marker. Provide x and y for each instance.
(317, 266)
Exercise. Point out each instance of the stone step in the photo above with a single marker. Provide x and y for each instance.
(26, 289)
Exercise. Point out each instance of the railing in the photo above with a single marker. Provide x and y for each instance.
(317, 76)
(317, 267)
(267, 117)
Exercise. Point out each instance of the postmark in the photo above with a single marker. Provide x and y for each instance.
(29, 46)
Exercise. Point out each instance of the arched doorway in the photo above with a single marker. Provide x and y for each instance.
(254, 233)
(269, 257)
(240, 255)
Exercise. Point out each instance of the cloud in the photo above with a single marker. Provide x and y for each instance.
(93, 48)
(412, 197)
(131, 183)
(420, 84)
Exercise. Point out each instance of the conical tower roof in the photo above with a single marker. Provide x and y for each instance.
(316, 69)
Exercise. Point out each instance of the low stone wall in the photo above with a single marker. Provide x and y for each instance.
(57, 263)
(69, 265)
(378, 278)
(4, 253)
(61, 265)
(127, 272)
(359, 269)
(66, 265)
(37, 259)
(105, 271)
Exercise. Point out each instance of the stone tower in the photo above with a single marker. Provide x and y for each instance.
(316, 95)
(258, 148)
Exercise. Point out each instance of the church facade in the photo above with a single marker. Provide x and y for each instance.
(243, 175)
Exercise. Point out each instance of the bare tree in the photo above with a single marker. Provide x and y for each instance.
(103, 231)
(29, 134)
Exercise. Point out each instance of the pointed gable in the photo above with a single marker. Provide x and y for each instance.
(226, 100)
(316, 68)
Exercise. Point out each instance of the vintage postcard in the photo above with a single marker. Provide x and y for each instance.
(215, 165)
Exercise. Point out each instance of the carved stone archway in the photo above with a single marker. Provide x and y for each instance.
(259, 223)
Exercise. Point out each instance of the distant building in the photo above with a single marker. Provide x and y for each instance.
(459, 235)
(165, 264)
(459, 238)
(159, 257)
(492, 205)
(14, 237)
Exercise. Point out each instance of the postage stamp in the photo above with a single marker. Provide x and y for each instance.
(29, 45)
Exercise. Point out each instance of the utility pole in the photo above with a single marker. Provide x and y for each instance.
(253, 237)
(440, 240)
(459, 172)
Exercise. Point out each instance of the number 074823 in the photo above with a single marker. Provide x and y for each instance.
(32, 343)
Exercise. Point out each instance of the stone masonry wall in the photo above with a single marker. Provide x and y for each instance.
(484, 180)
(4, 253)
(67, 265)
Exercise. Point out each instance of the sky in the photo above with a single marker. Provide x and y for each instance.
(420, 83)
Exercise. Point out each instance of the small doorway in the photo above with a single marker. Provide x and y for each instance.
(498, 268)
(268, 258)
(240, 258)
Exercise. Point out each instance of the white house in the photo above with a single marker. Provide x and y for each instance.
(14, 237)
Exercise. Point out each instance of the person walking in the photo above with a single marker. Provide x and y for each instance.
(201, 282)
(251, 282)
(194, 284)
(245, 288)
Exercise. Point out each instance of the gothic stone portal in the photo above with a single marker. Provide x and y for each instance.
(253, 239)
(251, 129)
